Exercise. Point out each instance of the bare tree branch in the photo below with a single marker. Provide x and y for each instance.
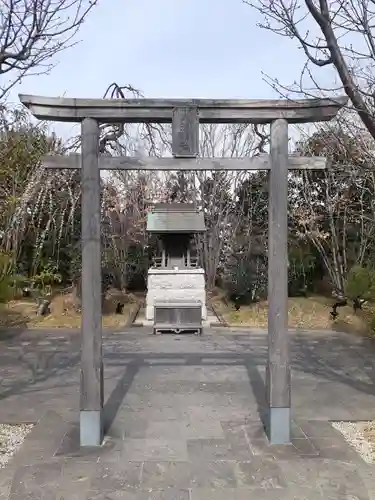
(345, 40)
(32, 32)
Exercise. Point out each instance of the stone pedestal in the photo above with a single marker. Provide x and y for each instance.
(169, 285)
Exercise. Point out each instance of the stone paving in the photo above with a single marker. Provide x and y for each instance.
(183, 418)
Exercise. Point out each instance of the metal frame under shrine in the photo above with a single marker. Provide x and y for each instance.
(185, 116)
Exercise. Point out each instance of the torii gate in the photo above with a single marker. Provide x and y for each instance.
(185, 116)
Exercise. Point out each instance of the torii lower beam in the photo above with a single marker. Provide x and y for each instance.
(261, 162)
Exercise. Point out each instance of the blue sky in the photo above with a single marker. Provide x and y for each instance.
(170, 48)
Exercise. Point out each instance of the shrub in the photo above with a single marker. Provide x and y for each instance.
(361, 283)
(244, 279)
(6, 289)
(6, 278)
(372, 322)
(46, 279)
(300, 272)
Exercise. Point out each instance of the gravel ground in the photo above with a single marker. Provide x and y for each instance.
(361, 435)
(11, 438)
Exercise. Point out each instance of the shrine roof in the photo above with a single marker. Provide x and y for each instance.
(175, 218)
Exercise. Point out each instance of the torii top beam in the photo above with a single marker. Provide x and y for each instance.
(161, 110)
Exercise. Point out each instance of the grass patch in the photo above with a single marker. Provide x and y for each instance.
(304, 312)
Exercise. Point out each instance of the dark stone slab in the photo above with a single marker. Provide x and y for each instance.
(161, 494)
(333, 449)
(154, 449)
(305, 448)
(166, 475)
(298, 493)
(77, 471)
(344, 483)
(185, 428)
(256, 493)
(128, 425)
(290, 452)
(165, 494)
(238, 440)
(70, 447)
(192, 386)
(117, 476)
(30, 495)
(6, 477)
(259, 473)
(112, 495)
(255, 430)
(343, 496)
(331, 477)
(212, 474)
(334, 490)
(42, 441)
(297, 432)
(41, 474)
(75, 480)
(366, 471)
(216, 449)
(36, 480)
(260, 446)
(68, 492)
(298, 449)
(319, 429)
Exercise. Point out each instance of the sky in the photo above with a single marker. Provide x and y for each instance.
(169, 48)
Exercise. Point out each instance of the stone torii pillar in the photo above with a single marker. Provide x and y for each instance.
(278, 375)
(92, 376)
(185, 116)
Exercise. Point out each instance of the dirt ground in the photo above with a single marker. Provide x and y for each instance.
(309, 313)
(304, 312)
(23, 312)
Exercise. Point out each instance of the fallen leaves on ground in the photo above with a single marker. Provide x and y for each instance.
(23, 313)
(304, 312)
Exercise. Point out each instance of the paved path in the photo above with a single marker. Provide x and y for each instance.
(183, 419)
